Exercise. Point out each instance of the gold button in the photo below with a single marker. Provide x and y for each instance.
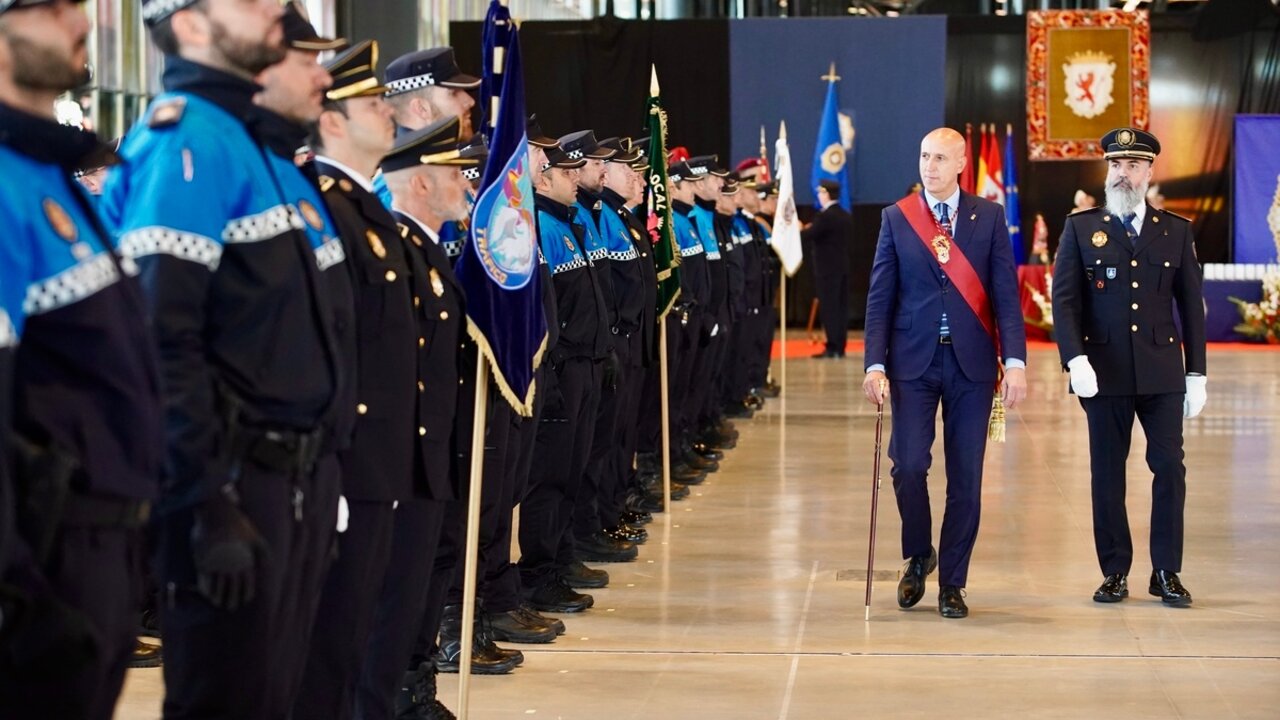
(421, 386)
(417, 301)
(422, 342)
(1134, 306)
(1133, 328)
(1134, 263)
(391, 276)
(1166, 263)
(444, 314)
(361, 409)
(1086, 338)
(459, 381)
(1170, 339)
(422, 431)
(1135, 283)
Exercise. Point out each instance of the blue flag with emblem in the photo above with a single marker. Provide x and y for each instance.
(499, 268)
(828, 151)
(1012, 215)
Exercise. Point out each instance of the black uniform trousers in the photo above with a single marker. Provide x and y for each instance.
(649, 439)
(504, 591)
(96, 574)
(601, 479)
(1110, 421)
(563, 444)
(399, 613)
(705, 380)
(347, 604)
(626, 433)
(683, 406)
(833, 309)
(247, 663)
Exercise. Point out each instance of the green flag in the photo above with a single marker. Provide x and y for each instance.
(658, 205)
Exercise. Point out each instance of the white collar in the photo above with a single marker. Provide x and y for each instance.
(429, 232)
(361, 180)
(952, 202)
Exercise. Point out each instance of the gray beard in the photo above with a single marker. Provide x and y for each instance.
(1121, 200)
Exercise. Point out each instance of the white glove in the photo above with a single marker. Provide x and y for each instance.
(1197, 396)
(344, 514)
(715, 330)
(1084, 381)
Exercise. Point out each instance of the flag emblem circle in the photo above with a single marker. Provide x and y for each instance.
(833, 158)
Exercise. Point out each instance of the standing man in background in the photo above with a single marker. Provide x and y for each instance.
(1113, 300)
(829, 235)
(943, 285)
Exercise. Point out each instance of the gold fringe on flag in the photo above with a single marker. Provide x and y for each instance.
(995, 426)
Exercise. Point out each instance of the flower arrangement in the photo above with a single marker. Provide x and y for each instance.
(1043, 303)
(1261, 320)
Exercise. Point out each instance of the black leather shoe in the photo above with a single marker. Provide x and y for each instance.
(146, 655)
(1113, 589)
(822, 355)
(149, 624)
(694, 461)
(1166, 586)
(684, 475)
(599, 547)
(512, 626)
(578, 575)
(772, 389)
(706, 451)
(626, 533)
(555, 596)
(754, 400)
(911, 586)
(636, 518)
(727, 428)
(951, 602)
(533, 615)
(417, 697)
(486, 658)
(643, 502)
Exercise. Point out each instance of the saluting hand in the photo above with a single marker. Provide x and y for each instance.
(876, 387)
(1014, 388)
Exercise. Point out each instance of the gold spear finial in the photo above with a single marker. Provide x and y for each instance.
(831, 75)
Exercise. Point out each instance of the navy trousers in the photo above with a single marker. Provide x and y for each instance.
(966, 405)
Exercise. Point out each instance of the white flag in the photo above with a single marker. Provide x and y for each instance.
(786, 224)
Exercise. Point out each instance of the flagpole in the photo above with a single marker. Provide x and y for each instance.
(782, 332)
(664, 383)
(473, 536)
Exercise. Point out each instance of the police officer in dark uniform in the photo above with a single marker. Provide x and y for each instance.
(572, 384)
(717, 317)
(772, 269)
(250, 368)
(828, 236)
(351, 135)
(1120, 271)
(81, 380)
(423, 174)
(727, 399)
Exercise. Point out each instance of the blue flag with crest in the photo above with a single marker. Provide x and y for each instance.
(828, 151)
(1013, 216)
(499, 268)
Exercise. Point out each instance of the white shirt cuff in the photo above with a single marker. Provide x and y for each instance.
(1015, 363)
(876, 368)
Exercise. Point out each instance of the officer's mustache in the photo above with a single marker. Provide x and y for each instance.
(1122, 183)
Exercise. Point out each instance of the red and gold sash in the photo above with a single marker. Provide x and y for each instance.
(950, 258)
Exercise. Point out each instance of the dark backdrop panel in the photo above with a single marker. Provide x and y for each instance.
(1196, 89)
(595, 74)
(892, 72)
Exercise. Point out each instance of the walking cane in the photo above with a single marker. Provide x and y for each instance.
(875, 501)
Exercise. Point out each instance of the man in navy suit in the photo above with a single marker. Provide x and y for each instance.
(943, 289)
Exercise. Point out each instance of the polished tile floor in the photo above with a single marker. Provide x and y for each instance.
(747, 603)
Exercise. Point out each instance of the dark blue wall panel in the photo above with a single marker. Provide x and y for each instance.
(893, 83)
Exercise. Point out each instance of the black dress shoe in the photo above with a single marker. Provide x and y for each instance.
(417, 697)
(706, 451)
(739, 410)
(554, 596)
(1166, 586)
(684, 475)
(643, 502)
(146, 655)
(626, 533)
(911, 586)
(486, 657)
(512, 626)
(578, 575)
(694, 461)
(1113, 589)
(554, 623)
(822, 355)
(951, 602)
(636, 518)
(771, 389)
(599, 547)
(149, 624)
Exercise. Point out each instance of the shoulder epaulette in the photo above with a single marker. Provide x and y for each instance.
(167, 113)
(326, 183)
(1176, 215)
(1080, 212)
(404, 229)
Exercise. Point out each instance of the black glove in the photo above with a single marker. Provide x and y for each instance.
(612, 370)
(226, 549)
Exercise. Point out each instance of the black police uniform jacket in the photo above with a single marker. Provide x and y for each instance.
(581, 314)
(445, 393)
(635, 283)
(383, 349)
(1113, 301)
(829, 235)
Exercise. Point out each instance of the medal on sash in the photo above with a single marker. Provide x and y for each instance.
(942, 248)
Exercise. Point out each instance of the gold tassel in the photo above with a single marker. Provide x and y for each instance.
(995, 427)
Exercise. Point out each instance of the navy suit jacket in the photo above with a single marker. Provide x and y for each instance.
(908, 296)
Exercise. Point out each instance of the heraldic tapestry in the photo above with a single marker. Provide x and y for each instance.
(1088, 71)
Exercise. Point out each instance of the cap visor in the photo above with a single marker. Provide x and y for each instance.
(570, 164)
(319, 44)
(600, 154)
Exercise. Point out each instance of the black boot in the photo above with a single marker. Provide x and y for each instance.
(486, 658)
(417, 697)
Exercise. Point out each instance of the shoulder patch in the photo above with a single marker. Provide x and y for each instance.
(326, 183)
(1081, 212)
(1176, 215)
(167, 113)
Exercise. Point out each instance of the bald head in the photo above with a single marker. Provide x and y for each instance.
(942, 159)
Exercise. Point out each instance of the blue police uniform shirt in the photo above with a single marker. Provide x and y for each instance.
(555, 239)
(704, 220)
(686, 235)
(616, 237)
(593, 243)
(742, 229)
(84, 368)
(229, 268)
